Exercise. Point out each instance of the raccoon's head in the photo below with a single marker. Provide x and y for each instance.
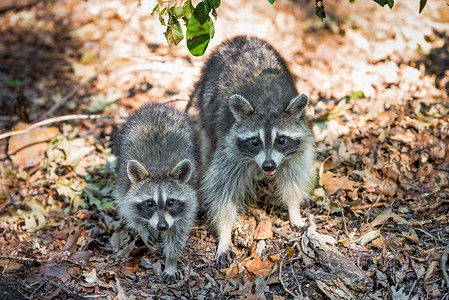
(159, 200)
(269, 136)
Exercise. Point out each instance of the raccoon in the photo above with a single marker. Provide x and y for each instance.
(253, 128)
(156, 173)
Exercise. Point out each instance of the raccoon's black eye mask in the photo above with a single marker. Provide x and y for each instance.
(249, 146)
(174, 207)
(287, 145)
(146, 208)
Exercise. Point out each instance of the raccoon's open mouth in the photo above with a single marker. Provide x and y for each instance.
(269, 173)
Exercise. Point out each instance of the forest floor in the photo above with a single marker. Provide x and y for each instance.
(378, 83)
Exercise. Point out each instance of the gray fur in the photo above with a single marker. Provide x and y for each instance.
(158, 159)
(252, 126)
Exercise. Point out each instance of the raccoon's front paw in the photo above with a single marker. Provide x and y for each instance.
(170, 277)
(297, 222)
(225, 259)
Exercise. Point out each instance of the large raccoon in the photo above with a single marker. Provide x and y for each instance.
(156, 173)
(252, 127)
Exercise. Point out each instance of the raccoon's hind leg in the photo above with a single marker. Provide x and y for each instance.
(174, 243)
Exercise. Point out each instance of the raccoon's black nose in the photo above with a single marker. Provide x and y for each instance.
(162, 226)
(269, 165)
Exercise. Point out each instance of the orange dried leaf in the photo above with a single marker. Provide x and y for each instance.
(28, 149)
(256, 266)
(232, 271)
(263, 230)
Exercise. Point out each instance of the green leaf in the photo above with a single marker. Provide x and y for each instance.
(199, 34)
(178, 11)
(212, 4)
(188, 10)
(200, 13)
(320, 9)
(381, 2)
(156, 9)
(357, 95)
(422, 3)
(13, 83)
(271, 1)
(211, 28)
(161, 16)
(174, 34)
(352, 1)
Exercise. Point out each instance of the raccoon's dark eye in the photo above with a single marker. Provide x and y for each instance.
(282, 140)
(149, 203)
(255, 142)
(170, 202)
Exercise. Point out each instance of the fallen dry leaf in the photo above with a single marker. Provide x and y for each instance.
(312, 239)
(256, 266)
(334, 183)
(405, 137)
(384, 216)
(263, 230)
(430, 271)
(28, 149)
(55, 269)
(368, 237)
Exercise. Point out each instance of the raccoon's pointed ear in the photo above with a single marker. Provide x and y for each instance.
(240, 107)
(136, 172)
(297, 105)
(182, 171)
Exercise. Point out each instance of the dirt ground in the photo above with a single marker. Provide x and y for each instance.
(378, 83)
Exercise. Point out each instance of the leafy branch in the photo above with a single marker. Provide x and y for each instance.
(199, 23)
(198, 20)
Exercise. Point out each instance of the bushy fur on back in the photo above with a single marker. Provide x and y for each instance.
(156, 174)
(253, 127)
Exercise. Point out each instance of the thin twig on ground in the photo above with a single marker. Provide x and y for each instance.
(188, 280)
(56, 292)
(294, 276)
(378, 198)
(369, 206)
(428, 234)
(282, 283)
(444, 267)
(343, 217)
(25, 259)
(9, 261)
(265, 284)
(52, 121)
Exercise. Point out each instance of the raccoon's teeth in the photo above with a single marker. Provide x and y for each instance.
(269, 173)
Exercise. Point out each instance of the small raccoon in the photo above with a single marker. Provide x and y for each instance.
(156, 173)
(252, 127)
